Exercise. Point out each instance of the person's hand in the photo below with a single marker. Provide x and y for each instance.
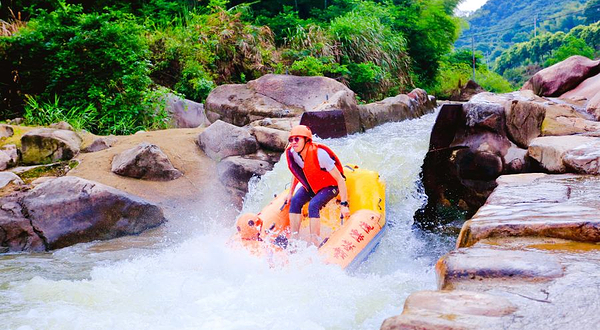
(345, 212)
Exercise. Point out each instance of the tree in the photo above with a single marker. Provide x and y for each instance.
(592, 11)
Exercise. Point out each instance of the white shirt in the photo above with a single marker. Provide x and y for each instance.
(325, 161)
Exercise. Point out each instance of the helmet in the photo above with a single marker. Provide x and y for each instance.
(248, 225)
(301, 130)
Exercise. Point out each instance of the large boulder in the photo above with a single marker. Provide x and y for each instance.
(8, 177)
(277, 96)
(47, 145)
(584, 159)
(222, 140)
(145, 161)
(563, 76)
(70, 210)
(9, 156)
(400, 107)
(550, 151)
(16, 232)
(562, 119)
(185, 113)
(587, 90)
(524, 121)
(236, 171)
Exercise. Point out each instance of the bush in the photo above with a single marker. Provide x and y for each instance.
(98, 60)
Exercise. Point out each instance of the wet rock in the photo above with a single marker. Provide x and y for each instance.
(47, 145)
(584, 159)
(549, 151)
(489, 116)
(185, 113)
(387, 110)
(16, 232)
(6, 131)
(62, 125)
(222, 140)
(236, 171)
(145, 161)
(478, 263)
(524, 121)
(282, 124)
(459, 302)
(270, 138)
(101, 143)
(563, 76)
(536, 205)
(588, 91)
(428, 321)
(8, 177)
(70, 210)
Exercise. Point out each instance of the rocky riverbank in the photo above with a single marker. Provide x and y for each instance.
(122, 185)
(529, 257)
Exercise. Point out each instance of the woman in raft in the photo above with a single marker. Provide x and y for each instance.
(321, 175)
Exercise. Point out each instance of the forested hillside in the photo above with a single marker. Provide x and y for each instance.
(500, 23)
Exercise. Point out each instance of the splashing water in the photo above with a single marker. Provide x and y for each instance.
(187, 276)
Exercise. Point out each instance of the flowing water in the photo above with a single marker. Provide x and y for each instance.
(185, 275)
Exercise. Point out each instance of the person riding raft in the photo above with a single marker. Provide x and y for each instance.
(321, 175)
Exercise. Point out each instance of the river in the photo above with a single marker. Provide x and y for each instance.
(185, 275)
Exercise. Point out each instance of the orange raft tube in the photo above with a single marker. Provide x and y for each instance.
(349, 242)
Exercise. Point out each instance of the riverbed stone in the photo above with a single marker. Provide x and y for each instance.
(185, 113)
(584, 159)
(482, 263)
(563, 119)
(550, 151)
(70, 210)
(16, 232)
(524, 121)
(236, 171)
(47, 145)
(489, 116)
(9, 177)
(563, 76)
(459, 302)
(145, 161)
(555, 206)
(270, 138)
(221, 140)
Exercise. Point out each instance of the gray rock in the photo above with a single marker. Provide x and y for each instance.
(9, 156)
(270, 138)
(16, 232)
(70, 210)
(101, 143)
(47, 145)
(222, 140)
(6, 131)
(236, 171)
(584, 159)
(8, 177)
(62, 125)
(145, 161)
(185, 113)
(550, 150)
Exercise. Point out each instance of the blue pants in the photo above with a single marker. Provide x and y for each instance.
(317, 201)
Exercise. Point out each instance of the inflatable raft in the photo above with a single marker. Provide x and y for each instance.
(348, 241)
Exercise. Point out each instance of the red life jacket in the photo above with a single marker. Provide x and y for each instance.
(312, 176)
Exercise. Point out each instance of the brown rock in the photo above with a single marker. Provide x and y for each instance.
(477, 263)
(145, 161)
(62, 125)
(424, 322)
(489, 116)
(70, 210)
(236, 171)
(466, 92)
(524, 121)
(564, 120)
(16, 232)
(563, 76)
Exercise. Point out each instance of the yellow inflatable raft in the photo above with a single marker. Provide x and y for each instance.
(349, 241)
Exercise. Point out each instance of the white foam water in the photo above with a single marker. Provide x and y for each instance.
(187, 275)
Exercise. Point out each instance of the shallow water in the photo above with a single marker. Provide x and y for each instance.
(185, 275)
